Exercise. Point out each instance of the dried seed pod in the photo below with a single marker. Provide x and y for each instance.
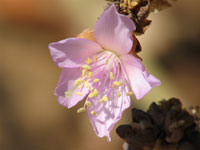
(165, 126)
(156, 114)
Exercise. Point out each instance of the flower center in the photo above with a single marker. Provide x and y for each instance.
(102, 75)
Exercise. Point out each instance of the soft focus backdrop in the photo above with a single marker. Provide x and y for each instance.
(30, 116)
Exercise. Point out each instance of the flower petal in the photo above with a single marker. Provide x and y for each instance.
(113, 31)
(140, 81)
(66, 83)
(108, 113)
(73, 52)
(153, 81)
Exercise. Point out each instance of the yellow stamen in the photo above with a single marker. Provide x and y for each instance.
(96, 80)
(80, 110)
(119, 94)
(105, 98)
(101, 101)
(88, 103)
(117, 83)
(107, 61)
(88, 61)
(78, 81)
(86, 67)
(93, 113)
(111, 76)
(91, 88)
(68, 94)
(96, 93)
(78, 93)
(95, 58)
(129, 93)
(84, 72)
(86, 84)
(80, 86)
(91, 95)
(89, 74)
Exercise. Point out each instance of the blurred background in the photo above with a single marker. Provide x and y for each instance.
(30, 116)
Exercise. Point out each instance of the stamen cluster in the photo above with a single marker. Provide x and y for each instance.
(100, 71)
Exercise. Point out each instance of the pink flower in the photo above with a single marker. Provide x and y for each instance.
(102, 72)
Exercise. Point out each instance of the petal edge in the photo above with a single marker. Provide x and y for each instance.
(113, 31)
(72, 52)
(140, 81)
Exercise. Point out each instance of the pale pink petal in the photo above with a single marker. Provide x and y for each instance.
(65, 83)
(73, 52)
(108, 113)
(140, 82)
(113, 31)
(153, 81)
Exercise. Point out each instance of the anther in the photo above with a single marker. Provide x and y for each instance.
(80, 110)
(88, 61)
(88, 103)
(117, 83)
(89, 74)
(107, 61)
(119, 94)
(95, 58)
(78, 93)
(84, 72)
(95, 92)
(87, 67)
(96, 80)
(91, 88)
(129, 93)
(86, 84)
(103, 99)
(111, 76)
(80, 86)
(91, 95)
(93, 113)
(68, 94)
(78, 81)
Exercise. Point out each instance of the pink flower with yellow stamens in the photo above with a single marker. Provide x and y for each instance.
(100, 69)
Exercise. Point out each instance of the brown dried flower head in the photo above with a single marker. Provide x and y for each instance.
(139, 10)
(165, 126)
